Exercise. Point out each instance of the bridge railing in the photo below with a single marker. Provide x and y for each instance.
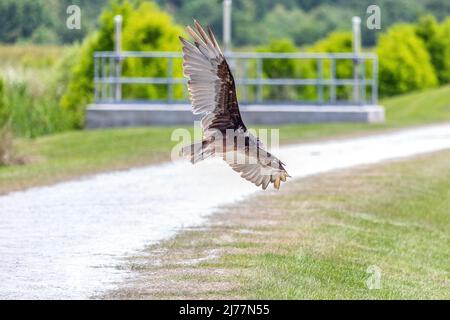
(322, 78)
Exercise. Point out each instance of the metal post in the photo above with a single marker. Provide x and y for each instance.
(227, 25)
(118, 60)
(356, 27)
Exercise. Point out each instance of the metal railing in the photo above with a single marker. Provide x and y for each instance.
(251, 76)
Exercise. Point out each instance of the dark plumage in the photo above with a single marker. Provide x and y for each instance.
(213, 93)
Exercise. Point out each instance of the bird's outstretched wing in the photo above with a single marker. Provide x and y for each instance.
(211, 85)
(213, 93)
(263, 170)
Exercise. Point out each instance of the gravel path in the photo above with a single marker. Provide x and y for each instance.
(67, 240)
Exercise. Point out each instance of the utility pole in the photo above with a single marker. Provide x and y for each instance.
(356, 28)
(227, 25)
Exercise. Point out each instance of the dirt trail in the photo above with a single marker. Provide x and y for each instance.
(69, 240)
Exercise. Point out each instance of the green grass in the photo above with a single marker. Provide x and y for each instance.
(68, 155)
(316, 240)
(72, 154)
(397, 220)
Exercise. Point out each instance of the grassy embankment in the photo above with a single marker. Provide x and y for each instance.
(315, 240)
(63, 156)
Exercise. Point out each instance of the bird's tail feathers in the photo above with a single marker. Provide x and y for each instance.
(198, 151)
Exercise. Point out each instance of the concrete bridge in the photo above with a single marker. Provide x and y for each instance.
(263, 99)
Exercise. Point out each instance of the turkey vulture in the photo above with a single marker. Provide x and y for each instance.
(213, 93)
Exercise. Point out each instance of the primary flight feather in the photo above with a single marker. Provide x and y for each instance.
(213, 93)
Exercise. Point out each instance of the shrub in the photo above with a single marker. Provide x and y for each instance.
(405, 64)
(150, 29)
(5, 131)
(33, 113)
(280, 68)
(338, 41)
(29, 56)
(4, 112)
(21, 18)
(145, 27)
(30, 102)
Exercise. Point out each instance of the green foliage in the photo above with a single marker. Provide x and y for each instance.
(4, 114)
(411, 57)
(303, 27)
(255, 22)
(437, 41)
(90, 11)
(20, 19)
(405, 64)
(44, 21)
(5, 131)
(6, 146)
(280, 68)
(43, 35)
(29, 56)
(113, 149)
(33, 112)
(151, 29)
(307, 68)
(444, 73)
(29, 93)
(336, 42)
(79, 90)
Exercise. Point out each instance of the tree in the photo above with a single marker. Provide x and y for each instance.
(444, 73)
(4, 114)
(404, 63)
(437, 41)
(280, 68)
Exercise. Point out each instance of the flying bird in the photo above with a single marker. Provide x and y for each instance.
(212, 93)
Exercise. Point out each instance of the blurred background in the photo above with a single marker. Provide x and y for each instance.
(47, 68)
(320, 235)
